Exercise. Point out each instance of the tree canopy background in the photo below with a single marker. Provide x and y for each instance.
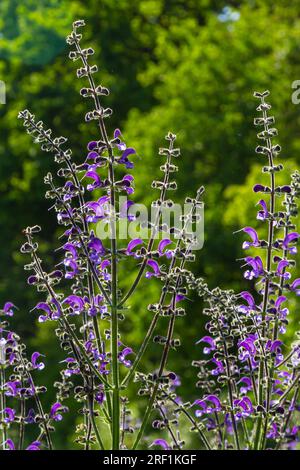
(189, 66)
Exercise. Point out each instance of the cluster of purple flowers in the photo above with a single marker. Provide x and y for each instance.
(253, 400)
(249, 385)
(21, 404)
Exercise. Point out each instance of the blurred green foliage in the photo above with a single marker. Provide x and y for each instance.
(189, 66)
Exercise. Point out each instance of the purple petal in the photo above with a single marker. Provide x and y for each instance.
(253, 234)
(8, 308)
(10, 444)
(132, 244)
(154, 265)
(295, 285)
(161, 443)
(34, 359)
(249, 299)
(258, 188)
(290, 238)
(117, 133)
(279, 301)
(162, 244)
(34, 446)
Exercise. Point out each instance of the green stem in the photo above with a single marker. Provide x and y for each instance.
(267, 280)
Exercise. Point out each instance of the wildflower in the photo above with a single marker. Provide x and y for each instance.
(294, 286)
(8, 309)
(253, 234)
(210, 404)
(250, 301)
(246, 385)
(132, 245)
(262, 214)
(256, 265)
(244, 407)
(34, 363)
(161, 248)
(290, 238)
(122, 357)
(161, 443)
(210, 341)
(56, 410)
(9, 415)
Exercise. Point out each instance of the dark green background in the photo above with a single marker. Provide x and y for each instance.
(188, 66)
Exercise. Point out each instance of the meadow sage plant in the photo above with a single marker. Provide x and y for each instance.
(252, 401)
(248, 388)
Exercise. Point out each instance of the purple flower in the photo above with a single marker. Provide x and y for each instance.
(210, 341)
(161, 443)
(63, 216)
(273, 431)
(133, 244)
(46, 308)
(275, 348)
(8, 309)
(72, 368)
(210, 404)
(247, 385)
(75, 302)
(250, 301)
(96, 245)
(103, 269)
(126, 151)
(282, 312)
(259, 188)
(34, 446)
(245, 407)
(92, 145)
(154, 265)
(256, 265)
(295, 286)
(219, 369)
(10, 444)
(253, 234)
(35, 364)
(264, 213)
(290, 238)
(247, 348)
(122, 357)
(100, 395)
(285, 189)
(281, 269)
(98, 306)
(71, 268)
(161, 248)
(56, 314)
(179, 298)
(30, 416)
(12, 388)
(117, 134)
(126, 184)
(9, 415)
(124, 158)
(97, 210)
(69, 191)
(56, 410)
(97, 180)
(71, 248)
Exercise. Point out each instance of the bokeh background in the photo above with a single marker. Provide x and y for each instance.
(189, 66)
